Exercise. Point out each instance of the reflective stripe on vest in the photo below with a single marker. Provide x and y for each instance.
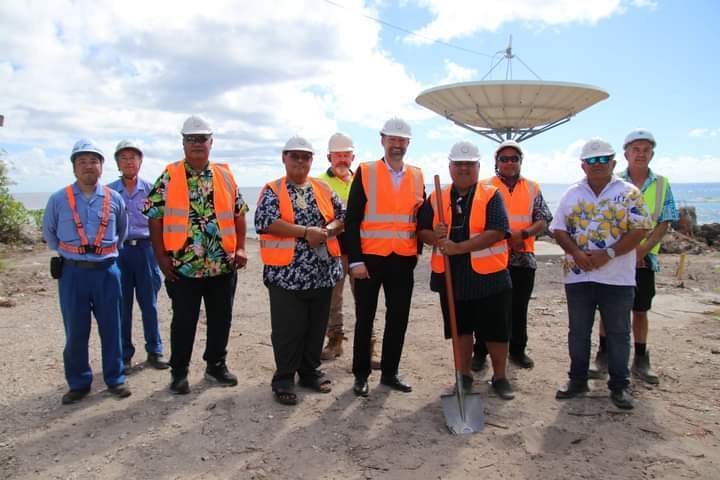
(518, 205)
(654, 197)
(85, 246)
(279, 251)
(176, 217)
(390, 218)
(488, 260)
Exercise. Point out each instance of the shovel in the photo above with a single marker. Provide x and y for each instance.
(464, 412)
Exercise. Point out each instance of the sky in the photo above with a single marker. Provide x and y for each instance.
(261, 72)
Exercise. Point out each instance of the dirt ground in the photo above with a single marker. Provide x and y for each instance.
(674, 431)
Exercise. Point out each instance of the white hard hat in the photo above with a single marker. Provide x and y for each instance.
(510, 144)
(124, 144)
(298, 144)
(195, 125)
(464, 152)
(397, 127)
(340, 142)
(85, 145)
(596, 147)
(639, 134)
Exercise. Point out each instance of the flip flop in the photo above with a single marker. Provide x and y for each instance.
(285, 397)
(320, 385)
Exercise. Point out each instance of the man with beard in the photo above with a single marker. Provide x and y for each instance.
(380, 235)
(341, 153)
(139, 271)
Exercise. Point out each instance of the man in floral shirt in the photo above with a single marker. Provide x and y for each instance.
(197, 228)
(599, 223)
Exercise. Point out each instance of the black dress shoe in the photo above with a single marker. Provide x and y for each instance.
(360, 387)
(156, 361)
(522, 360)
(572, 389)
(622, 399)
(395, 383)
(180, 385)
(74, 396)
(119, 391)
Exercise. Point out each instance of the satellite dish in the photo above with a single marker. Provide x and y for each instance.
(513, 109)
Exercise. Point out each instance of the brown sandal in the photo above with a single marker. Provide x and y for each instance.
(320, 385)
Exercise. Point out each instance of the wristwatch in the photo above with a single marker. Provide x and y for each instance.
(524, 234)
(610, 252)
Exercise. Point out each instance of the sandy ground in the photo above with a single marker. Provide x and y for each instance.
(242, 433)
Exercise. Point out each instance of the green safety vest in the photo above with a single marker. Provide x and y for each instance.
(655, 199)
(341, 188)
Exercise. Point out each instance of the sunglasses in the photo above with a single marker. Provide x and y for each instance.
(196, 138)
(509, 158)
(603, 160)
(295, 156)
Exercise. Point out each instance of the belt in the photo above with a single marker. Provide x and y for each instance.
(86, 264)
(136, 242)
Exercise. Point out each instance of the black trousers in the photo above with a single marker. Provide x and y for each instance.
(186, 294)
(523, 282)
(395, 274)
(298, 319)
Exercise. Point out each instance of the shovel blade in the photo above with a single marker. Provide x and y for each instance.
(464, 414)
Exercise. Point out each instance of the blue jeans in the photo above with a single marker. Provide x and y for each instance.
(615, 303)
(82, 293)
(140, 275)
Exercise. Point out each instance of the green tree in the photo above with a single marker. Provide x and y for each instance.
(12, 213)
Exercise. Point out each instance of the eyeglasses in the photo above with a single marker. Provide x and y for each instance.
(295, 156)
(603, 160)
(509, 158)
(196, 138)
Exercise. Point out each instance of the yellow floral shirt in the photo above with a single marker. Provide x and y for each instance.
(596, 222)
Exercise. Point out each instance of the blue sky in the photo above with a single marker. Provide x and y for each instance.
(261, 72)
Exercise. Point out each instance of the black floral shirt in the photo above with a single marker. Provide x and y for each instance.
(310, 268)
(203, 254)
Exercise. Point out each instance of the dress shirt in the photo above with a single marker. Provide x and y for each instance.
(135, 203)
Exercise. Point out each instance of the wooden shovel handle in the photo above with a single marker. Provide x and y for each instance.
(448, 282)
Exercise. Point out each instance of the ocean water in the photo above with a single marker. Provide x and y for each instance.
(705, 197)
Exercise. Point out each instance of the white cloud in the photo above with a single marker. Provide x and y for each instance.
(704, 132)
(651, 4)
(457, 73)
(259, 71)
(459, 18)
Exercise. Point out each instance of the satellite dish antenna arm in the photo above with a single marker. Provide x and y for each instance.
(531, 132)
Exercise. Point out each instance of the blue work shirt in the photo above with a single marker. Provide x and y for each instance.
(58, 223)
(135, 203)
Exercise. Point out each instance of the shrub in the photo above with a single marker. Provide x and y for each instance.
(12, 213)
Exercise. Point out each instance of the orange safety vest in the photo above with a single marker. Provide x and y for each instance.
(85, 246)
(279, 251)
(519, 205)
(176, 220)
(390, 219)
(488, 260)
